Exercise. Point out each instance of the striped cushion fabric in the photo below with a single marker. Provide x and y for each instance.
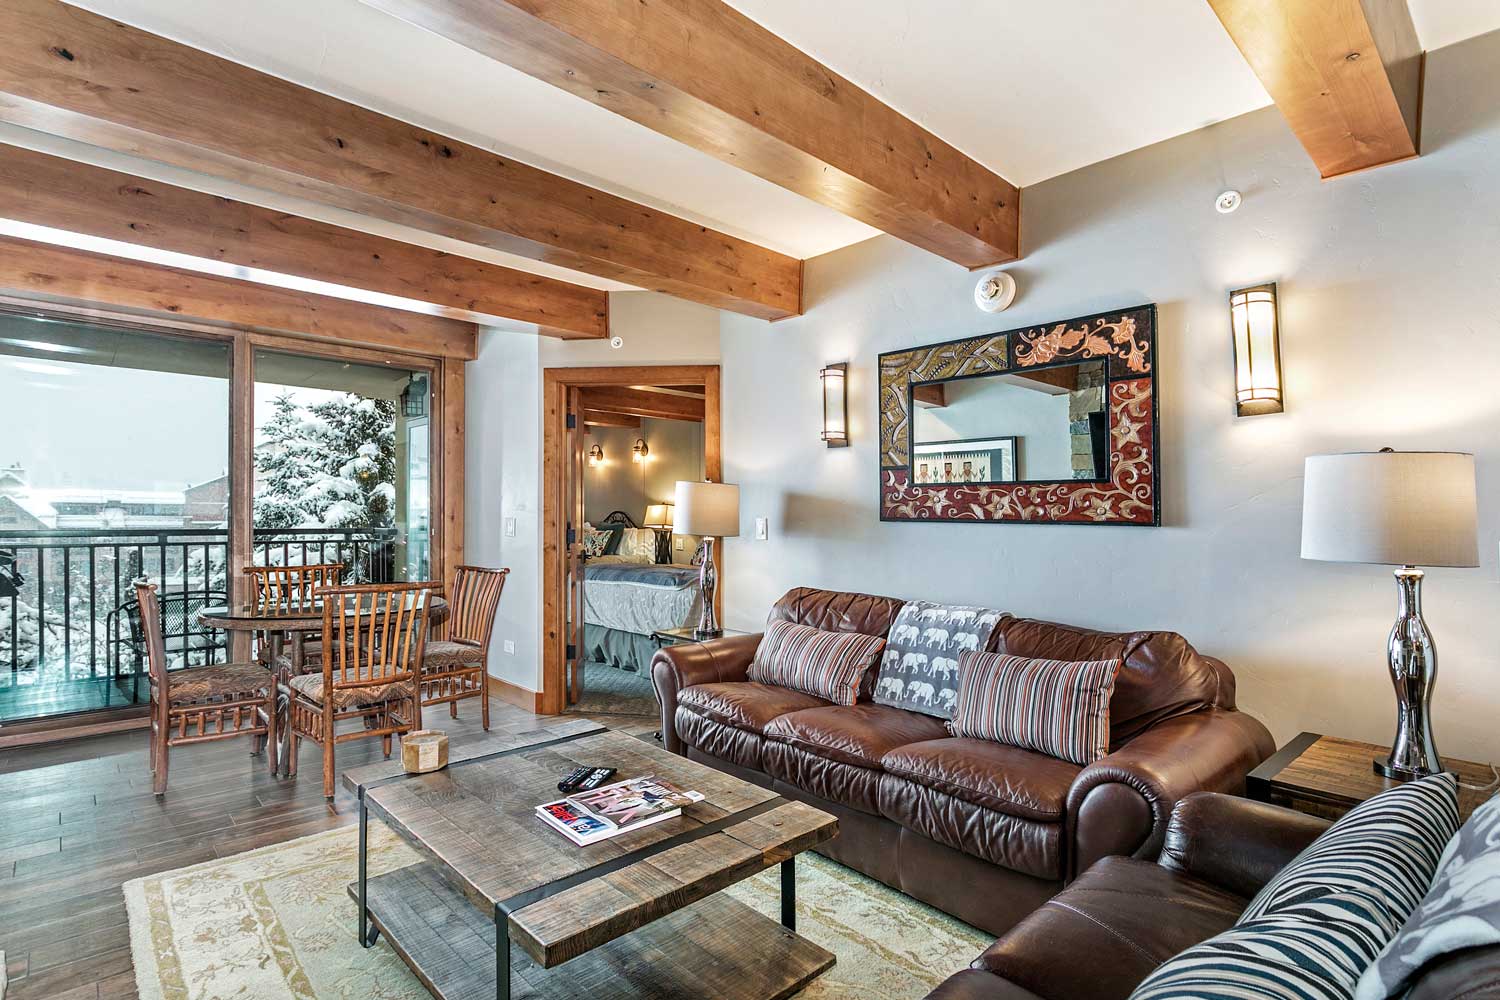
(1056, 707)
(830, 665)
(1390, 844)
(1314, 929)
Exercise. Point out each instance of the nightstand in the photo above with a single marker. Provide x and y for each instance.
(1327, 776)
(677, 636)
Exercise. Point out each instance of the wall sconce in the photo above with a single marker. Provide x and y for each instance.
(835, 405)
(1257, 350)
(596, 456)
(639, 451)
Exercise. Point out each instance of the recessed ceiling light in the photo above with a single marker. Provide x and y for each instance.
(1227, 202)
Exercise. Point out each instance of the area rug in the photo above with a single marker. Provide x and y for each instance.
(277, 922)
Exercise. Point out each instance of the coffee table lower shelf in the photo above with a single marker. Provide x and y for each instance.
(717, 947)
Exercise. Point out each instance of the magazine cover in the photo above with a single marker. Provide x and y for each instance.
(588, 817)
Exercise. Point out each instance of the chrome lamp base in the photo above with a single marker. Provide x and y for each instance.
(708, 582)
(1413, 664)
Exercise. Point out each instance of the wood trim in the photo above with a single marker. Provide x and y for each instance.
(1346, 74)
(241, 484)
(601, 418)
(451, 430)
(710, 77)
(79, 198)
(59, 730)
(49, 273)
(514, 694)
(72, 73)
(555, 384)
(624, 399)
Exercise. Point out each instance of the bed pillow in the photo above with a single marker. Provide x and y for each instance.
(830, 665)
(616, 533)
(1056, 707)
(638, 545)
(594, 541)
(919, 671)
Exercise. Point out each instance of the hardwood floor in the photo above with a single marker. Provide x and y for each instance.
(78, 820)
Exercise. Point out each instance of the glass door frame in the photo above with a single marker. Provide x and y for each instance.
(445, 451)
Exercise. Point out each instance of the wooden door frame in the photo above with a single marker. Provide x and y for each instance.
(555, 385)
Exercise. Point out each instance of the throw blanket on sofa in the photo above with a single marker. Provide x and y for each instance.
(919, 671)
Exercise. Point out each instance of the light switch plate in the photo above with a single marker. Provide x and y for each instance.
(510, 646)
(510, 527)
(681, 544)
(761, 531)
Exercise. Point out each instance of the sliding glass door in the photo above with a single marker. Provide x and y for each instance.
(113, 465)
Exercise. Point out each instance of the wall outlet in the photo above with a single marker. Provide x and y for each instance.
(762, 532)
(681, 544)
(509, 526)
(510, 647)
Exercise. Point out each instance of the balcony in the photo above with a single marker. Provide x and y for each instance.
(65, 633)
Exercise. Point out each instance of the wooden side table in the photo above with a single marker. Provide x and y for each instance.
(1327, 776)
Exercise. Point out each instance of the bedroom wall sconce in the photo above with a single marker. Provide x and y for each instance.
(1257, 350)
(835, 405)
(639, 451)
(596, 457)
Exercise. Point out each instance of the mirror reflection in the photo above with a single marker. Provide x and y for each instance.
(1041, 425)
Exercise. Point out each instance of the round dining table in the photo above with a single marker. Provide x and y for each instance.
(284, 630)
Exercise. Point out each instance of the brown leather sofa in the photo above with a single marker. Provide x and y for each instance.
(983, 831)
(1102, 935)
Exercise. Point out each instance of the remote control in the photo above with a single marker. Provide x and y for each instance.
(598, 777)
(570, 783)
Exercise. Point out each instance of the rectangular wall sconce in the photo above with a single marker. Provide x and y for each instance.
(835, 405)
(1257, 350)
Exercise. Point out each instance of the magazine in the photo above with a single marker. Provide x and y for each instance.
(600, 813)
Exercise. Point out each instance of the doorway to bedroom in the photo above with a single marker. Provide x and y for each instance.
(623, 578)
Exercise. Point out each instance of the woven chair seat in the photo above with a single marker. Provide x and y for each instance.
(310, 686)
(219, 682)
(441, 655)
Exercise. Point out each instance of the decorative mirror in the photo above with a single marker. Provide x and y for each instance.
(1052, 424)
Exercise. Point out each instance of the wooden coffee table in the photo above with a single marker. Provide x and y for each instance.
(504, 900)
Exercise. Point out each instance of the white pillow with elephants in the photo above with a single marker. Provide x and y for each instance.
(919, 671)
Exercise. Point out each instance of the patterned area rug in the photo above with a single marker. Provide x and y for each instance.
(277, 922)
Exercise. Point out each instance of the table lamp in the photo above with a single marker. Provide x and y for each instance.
(713, 511)
(659, 519)
(1403, 509)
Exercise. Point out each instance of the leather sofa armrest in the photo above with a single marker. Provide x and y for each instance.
(1120, 804)
(1235, 843)
(972, 984)
(678, 667)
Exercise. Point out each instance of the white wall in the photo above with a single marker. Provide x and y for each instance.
(503, 446)
(1390, 310)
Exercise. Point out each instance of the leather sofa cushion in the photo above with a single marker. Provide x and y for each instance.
(1161, 674)
(1115, 924)
(854, 734)
(815, 773)
(1003, 778)
(740, 747)
(745, 704)
(1032, 847)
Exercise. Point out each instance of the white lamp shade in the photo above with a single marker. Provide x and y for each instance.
(1397, 508)
(711, 509)
(658, 515)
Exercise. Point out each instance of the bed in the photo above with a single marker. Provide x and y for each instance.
(626, 598)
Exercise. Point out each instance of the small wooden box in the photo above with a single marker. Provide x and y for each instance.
(424, 750)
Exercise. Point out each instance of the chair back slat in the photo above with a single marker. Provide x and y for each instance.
(373, 633)
(150, 624)
(473, 602)
(292, 588)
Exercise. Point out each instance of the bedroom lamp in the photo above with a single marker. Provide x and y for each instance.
(711, 510)
(659, 519)
(1397, 508)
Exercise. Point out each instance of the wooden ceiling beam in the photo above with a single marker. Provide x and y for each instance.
(63, 194)
(72, 73)
(603, 418)
(622, 399)
(1346, 74)
(49, 273)
(708, 76)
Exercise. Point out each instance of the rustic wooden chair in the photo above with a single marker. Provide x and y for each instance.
(373, 638)
(454, 668)
(292, 588)
(200, 704)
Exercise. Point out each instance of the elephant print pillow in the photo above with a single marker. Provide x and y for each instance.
(919, 671)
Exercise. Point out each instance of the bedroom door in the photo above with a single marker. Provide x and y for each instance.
(573, 492)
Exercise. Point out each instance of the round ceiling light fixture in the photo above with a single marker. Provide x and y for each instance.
(1228, 201)
(995, 291)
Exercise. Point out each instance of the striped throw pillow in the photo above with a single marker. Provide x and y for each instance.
(830, 665)
(1389, 844)
(1056, 707)
(1315, 928)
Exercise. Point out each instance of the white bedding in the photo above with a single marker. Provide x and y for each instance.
(640, 606)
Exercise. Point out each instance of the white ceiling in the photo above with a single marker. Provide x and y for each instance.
(1031, 89)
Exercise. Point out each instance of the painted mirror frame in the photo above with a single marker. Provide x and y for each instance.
(1131, 492)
